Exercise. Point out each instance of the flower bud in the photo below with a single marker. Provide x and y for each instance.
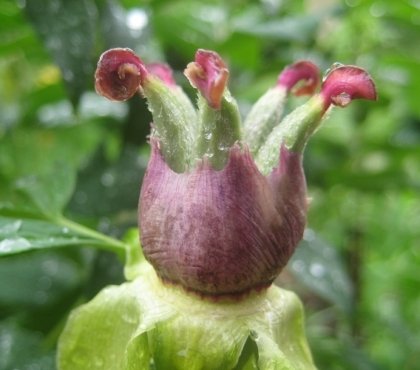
(221, 228)
(121, 73)
(218, 114)
(212, 219)
(208, 73)
(300, 78)
(341, 85)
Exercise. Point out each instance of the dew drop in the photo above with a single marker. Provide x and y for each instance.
(11, 227)
(14, 244)
(50, 267)
(298, 265)
(98, 362)
(342, 100)
(107, 179)
(317, 270)
(182, 353)
(254, 335)
(129, 319)
(68, 75)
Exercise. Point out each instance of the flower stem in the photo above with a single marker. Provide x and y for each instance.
(100, 241)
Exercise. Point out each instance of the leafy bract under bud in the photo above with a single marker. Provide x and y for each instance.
(209, 75)
(119, 74)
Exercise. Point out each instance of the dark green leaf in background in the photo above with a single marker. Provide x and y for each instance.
(318, 266)
(22, 235)
(362, 167)
(67, 29)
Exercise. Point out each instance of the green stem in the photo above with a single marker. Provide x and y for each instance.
(220, 129)
(263, 117)
(293, 131)
(105, 242)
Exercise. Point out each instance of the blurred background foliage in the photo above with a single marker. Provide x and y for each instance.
(66, 151)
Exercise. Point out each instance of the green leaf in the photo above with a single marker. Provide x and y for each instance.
(50, 191)
(67, 29)
(86, 342)
(38, 168)
(21, 349)
(45, 285)
(105, 188)
(18, 235)
(22, 235)
(318, 266)
(294, 28)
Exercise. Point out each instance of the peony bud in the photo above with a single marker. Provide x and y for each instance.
(218, 223)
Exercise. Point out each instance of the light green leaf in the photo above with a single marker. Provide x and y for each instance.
(152, 323)
(23, 235)
(293, 28)
(97, 334)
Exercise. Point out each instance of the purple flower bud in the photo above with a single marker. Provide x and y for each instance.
(213, 219)
(222, 232)
(300, 78)
(344, 83)
(209, 75)
(162, 71)
(119, 74)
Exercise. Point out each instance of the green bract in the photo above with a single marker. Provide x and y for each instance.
(144, 324)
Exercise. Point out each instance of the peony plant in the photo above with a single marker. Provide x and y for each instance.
(222, 208)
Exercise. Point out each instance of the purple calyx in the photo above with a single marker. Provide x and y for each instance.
(222, 233)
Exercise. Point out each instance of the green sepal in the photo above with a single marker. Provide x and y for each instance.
(174, 122)
(219, 129)
(293, 131)
(145, 324)
(264, 115)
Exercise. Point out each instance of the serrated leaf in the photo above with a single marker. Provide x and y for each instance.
(318, 266)
(67, 29)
